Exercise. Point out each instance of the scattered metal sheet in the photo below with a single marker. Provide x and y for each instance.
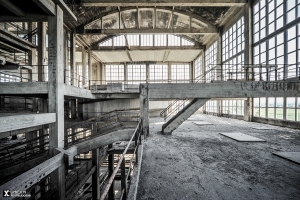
(263, 128)
(291, 156)
(202, 123)
(241, 137)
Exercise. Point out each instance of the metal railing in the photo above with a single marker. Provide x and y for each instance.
(25, 150)
(136, 137)
(102, 124)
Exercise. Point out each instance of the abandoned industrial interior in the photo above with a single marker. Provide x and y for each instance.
(150, 99)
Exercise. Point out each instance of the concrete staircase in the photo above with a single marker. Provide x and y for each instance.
(182, 115)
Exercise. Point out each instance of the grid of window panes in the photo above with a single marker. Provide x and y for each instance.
(198, 68)
(211, 106)
(233, 40)
(114, 73)
(158, 73)
(180, 73)
(273, 107)
(210, 62)
(119, 41)
(147, 40)
(136, 73)
(133, 40)
(271, 52)
(233, 68)
(233, 107)
(6, 77)
(160, 40)
(268, 16)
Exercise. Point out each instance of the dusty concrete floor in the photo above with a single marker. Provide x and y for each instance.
(196, 162)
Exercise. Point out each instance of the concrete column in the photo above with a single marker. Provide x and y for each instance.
(147, 72)
(96, 174)
(72, 58)
(73, 108)
(41, 50)
(248, 57)
(219, 55)
(125, 73)
(56, 97)
(144, 108)
(90, 67)
(169, 73)
(103, 74)
(111, 192)
(84, 78)
(123, 179)
(192, 76)
(98, 77)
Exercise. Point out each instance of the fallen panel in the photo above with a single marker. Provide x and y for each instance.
(241, 137)
(263, 128)
(202, 123)
(291, 156)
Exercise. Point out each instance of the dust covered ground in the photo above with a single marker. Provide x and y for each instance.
(196, 162)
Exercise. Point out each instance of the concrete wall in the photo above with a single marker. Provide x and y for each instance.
(276, 122)
(92, 109)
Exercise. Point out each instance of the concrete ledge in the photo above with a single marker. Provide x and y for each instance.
(11, 123)
(73, 91)
(24, 88)
(133, 188)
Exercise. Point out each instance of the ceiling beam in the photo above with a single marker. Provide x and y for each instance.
(146, 31)
(46, 5)
(12, 8)
(214, 3)
(66, 9)
(29, 17)
(140, 48)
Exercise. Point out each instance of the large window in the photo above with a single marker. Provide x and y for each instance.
(180, 73)
(272, 50)
(114, 73)
(198, 68)
(212, 106)
(136, 74)
(233, 45)
(233, 107)
(210, 62)
(158, 73)
(147, 40)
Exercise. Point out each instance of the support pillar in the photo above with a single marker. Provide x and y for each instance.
(111, 192)
(72, 59)
(56, 97)
(83, 67)
(96, 174)
(73, 108)
(144, 108)
(123, 180)
(41, 50)
(90, 68)
(248, 104)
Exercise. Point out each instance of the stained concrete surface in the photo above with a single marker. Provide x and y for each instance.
(196, 162)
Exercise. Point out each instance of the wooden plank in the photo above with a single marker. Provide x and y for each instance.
(33, 176)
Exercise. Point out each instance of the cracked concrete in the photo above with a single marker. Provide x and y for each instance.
(196, 162)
